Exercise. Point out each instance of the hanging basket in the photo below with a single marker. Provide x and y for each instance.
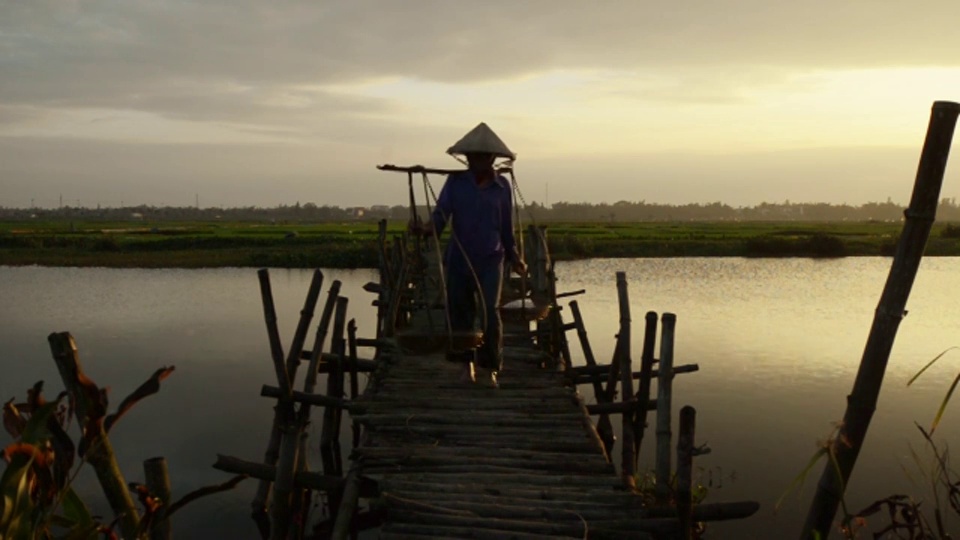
(426, 341)
(524, 309)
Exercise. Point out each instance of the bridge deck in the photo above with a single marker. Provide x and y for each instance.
(520, 461)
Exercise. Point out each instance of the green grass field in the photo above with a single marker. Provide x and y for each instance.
(353, 244)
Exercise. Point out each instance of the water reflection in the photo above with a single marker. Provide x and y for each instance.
(778, 343)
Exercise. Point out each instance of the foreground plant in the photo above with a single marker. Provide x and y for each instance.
(907, 517)
(38, 500)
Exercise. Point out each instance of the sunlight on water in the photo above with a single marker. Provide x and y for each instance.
(778, 343)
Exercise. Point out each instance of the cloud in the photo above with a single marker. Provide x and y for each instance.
(17, 114)
(84, 54)
(331, 88)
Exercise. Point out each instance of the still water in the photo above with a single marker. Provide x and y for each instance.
(778, 343)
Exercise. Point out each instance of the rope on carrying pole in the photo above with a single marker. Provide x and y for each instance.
(523, 252)
(443, 278)
(415, 218)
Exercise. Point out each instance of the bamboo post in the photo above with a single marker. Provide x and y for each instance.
(604, 428)
(157, 480)
(329, 431)
(273, 333)
(582, 336)
(343, 523)
(386, 279)
(354, 382)
(283, 415)
(393, 320)
(302, 498)
(613, 372)
(646, 375)
(685, 445)
(316, 354)
(100, 453)
(562, 337)
(862, 401)
(628, 461)
(338, 375)
(664, 405)
(557, 325)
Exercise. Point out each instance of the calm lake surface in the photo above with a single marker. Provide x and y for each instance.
(778, 343)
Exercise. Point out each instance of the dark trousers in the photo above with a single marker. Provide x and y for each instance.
(462, 300)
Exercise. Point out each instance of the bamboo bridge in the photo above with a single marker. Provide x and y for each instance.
(433, 457)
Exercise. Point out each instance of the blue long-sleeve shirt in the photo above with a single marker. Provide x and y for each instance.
(482, 221)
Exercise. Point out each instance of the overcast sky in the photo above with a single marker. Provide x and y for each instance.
(247, 102)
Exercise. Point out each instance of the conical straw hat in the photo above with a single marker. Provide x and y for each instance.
(481, 139)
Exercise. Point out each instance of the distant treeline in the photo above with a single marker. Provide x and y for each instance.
(619, 212)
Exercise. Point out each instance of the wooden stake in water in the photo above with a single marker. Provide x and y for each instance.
(862, 401)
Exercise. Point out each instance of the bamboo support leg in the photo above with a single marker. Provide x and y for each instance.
(664, 404)
(604, 425)
(285, 371)
(646, 375)
(685, 445)
(329, 437)
(343, 524)
(628, 461)
(354, 380)
(604, 428)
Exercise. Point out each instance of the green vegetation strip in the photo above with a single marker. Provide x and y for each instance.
(353, 244)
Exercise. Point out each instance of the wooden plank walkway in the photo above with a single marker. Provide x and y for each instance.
(465, 461)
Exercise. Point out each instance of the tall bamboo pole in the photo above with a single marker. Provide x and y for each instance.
(862, 401)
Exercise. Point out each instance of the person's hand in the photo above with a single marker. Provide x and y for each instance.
(519, 267)
(420, 229)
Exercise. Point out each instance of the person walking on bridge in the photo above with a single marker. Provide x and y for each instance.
(478, 204)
